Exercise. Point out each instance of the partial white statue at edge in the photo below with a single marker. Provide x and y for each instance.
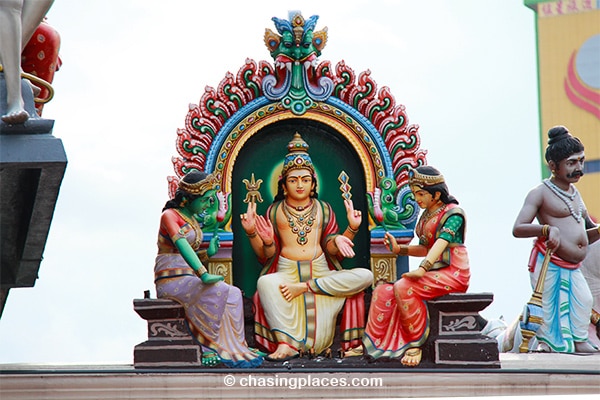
(18, 21)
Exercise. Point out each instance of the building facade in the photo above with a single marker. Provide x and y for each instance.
(568, 55)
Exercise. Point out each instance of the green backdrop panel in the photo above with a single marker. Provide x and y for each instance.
(263, 155)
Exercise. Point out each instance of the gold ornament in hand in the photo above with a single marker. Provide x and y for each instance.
(252, 187)
(345, 185)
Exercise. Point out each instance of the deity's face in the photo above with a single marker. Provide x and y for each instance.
(424, 199)
(299, 184)
(570, 169)
(202, 204)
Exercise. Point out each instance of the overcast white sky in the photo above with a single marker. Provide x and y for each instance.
(464, 69)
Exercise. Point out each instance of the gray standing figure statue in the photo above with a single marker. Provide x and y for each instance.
(18, 21)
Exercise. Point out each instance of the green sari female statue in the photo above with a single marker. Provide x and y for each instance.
(213, 308)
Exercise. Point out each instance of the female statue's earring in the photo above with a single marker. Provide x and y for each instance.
(183, 202)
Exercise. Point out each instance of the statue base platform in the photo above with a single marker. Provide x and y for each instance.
(169, 342)
(455, 339)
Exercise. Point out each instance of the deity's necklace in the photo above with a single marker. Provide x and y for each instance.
(567, 198)
(195, 226)
(300, 224)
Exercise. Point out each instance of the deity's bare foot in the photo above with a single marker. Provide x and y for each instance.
(292, 290)
(585, 347)
(16, 117)
(412, 357)
(283, 353)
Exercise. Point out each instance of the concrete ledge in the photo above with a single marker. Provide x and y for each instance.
(455, 338)
(520, 375)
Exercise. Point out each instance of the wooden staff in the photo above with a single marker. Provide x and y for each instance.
(533, 316)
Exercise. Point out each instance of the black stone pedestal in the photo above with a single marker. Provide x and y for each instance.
(455, 338)
(169, 343)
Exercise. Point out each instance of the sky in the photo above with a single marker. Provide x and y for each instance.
(464, 69)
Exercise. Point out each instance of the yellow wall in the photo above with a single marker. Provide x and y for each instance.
(559, 36)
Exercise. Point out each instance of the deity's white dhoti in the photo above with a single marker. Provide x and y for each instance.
(309, 320)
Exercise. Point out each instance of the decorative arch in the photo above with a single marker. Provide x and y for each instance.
(372, 152)
(220, 124)
(262, 93)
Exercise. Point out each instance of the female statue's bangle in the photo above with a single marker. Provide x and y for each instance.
(203, 256)
(269, 245)
(251, 235)
(545, 230)
(426, 265)
(403, 250)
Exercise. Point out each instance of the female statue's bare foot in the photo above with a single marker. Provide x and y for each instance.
(292, 290)
(283, 353)
(16, 117)
(412, 357)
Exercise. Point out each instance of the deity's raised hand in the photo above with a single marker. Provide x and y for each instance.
(354, 216)
(248, 219)
(264, 228)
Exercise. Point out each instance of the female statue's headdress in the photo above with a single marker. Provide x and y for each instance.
(199, 188)
(431, 180)
(418, 180)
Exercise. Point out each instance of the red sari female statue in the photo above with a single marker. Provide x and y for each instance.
(398, 323)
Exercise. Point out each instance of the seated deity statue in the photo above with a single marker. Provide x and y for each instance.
(303, 287)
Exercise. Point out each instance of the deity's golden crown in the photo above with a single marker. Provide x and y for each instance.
(199, 188)
(419, 180)
(297, 157)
